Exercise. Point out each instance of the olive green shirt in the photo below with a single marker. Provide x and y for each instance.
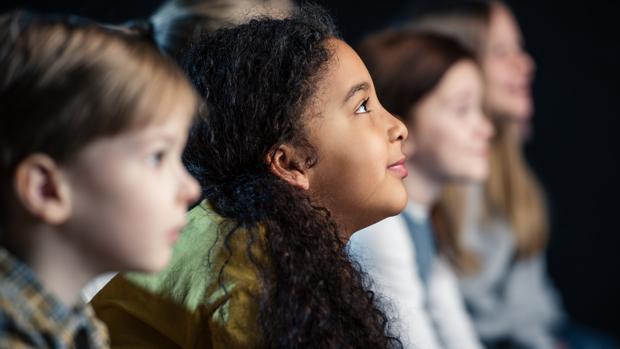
(189, 304)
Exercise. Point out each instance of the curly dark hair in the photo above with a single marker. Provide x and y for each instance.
(258, 79)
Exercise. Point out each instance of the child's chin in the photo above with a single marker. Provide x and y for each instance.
(395, 208)
(400, 203)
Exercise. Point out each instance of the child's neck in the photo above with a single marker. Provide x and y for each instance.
(60, 267)
(423, 188)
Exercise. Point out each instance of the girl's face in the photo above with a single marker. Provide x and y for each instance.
(360, 170)
(507, 68)
(130, 193)
(451, 132)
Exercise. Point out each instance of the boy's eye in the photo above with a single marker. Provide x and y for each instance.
(156, 158)
(362, 108)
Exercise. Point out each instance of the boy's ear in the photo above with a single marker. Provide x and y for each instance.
(287, 163)
(42, 189)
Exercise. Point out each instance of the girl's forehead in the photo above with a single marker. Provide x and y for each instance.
(339, 50)
(345, 70)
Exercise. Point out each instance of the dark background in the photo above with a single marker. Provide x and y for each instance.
(576, 140)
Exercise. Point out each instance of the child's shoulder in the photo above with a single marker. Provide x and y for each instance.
(209, 238)
(16, 314)
(32, 318)
(209, 271)
(206, 255)
(20, 297)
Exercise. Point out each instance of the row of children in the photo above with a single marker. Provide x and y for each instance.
(293, 158)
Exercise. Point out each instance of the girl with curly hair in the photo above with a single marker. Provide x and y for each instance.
(294, 155)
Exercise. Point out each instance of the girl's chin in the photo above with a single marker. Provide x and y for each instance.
(518, 114)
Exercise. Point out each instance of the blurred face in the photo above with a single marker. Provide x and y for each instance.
(451, 132)
(360, 169)
(508, 69)
(129, 195)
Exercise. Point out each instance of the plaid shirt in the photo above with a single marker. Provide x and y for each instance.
(32, 318)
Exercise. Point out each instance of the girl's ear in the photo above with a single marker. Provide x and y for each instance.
(286, 162)
(42, 189)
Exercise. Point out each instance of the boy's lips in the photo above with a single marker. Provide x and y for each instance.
(399, 168)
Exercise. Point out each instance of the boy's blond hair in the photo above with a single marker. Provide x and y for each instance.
(65, 82)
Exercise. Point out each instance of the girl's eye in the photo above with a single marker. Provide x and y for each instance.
(156, 158)
(362, 108)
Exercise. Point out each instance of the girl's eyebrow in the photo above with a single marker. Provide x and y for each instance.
(362, 86)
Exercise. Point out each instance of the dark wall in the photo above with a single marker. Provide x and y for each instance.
(111, 11)
(575, 149)
(576, 136)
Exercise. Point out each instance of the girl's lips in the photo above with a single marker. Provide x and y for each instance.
(399, 168)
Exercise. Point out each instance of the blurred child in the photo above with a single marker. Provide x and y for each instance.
(504, 224)
(92, 125)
